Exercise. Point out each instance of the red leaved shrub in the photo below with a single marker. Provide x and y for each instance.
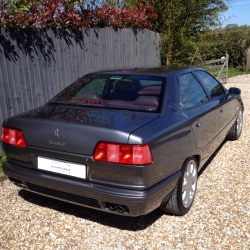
(58, 13)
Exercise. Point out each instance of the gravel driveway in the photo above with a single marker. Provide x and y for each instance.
(219, 218)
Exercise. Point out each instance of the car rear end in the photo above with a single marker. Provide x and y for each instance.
(76, 147)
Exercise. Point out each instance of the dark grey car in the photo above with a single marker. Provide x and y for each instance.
(123, 142)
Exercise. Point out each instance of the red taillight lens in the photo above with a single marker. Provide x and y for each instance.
(14, 137)
(123, 153)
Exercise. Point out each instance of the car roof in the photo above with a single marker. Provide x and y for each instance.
(159, 71)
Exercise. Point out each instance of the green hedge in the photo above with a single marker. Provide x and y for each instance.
(214, 44)
(209, 45)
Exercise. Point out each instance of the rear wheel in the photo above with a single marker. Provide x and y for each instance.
(183, 195)
(237, 127)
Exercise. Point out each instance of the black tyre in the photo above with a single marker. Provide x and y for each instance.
(235, 131)
(183, 195)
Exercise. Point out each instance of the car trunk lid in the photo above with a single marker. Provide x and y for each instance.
(77, 130)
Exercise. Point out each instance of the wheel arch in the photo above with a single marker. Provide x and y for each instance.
(197, 158)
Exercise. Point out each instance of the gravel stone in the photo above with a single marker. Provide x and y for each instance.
(219, 218)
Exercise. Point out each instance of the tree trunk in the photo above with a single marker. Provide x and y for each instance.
(169, 49)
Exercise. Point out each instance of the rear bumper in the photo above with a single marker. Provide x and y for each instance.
(131, 202)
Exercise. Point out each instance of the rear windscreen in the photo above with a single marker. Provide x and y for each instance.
(132, 92)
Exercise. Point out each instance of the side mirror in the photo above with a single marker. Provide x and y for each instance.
(234, 91)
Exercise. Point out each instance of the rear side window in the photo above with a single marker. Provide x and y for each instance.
(132, 92)
(191, 92)
(212, 86)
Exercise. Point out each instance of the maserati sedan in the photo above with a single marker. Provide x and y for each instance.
(123, 142)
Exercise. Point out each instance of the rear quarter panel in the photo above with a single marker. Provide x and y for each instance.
(171, 141)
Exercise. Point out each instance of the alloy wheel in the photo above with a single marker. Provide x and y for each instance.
(189, 184)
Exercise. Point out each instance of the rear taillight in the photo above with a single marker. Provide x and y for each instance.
(123, 153)
(14, 137)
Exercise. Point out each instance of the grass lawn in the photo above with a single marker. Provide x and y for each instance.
(2, 159)
(236, 71)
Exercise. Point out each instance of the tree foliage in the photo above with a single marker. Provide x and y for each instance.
(179, 20)
(231, 26)
(73, 14)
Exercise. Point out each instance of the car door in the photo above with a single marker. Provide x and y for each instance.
(202, 111)
(225, 105)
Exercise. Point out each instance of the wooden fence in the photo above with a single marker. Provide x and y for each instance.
(218, 68)
(36, 64)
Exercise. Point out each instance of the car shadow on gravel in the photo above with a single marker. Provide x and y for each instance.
(210, 159)
(107, 219)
